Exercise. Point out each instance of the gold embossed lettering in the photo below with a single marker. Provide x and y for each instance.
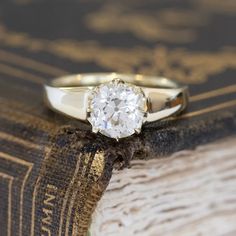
(49, 201)
(48, 216)
(48, 206)
(45, 231)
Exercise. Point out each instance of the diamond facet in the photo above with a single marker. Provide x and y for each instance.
(117, 109)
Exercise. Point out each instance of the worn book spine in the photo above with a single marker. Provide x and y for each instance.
(52, 188)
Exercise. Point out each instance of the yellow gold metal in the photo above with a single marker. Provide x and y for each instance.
(137, 131)
(70, 94)
(95, 130)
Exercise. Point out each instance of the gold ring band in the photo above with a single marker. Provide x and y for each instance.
(71, 95)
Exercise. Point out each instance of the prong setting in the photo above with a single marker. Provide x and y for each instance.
(95, 130)
(138, 130)
(117, 109)
(117, 81)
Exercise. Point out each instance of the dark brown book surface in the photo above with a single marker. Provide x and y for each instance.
(52, 169)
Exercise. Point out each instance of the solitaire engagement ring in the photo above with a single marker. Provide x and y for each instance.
(116, 105)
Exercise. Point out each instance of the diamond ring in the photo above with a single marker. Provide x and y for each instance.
(116, 105)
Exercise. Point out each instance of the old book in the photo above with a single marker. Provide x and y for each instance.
(53, 171)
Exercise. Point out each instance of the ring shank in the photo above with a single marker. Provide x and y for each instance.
(95, 79)
(69, 94)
